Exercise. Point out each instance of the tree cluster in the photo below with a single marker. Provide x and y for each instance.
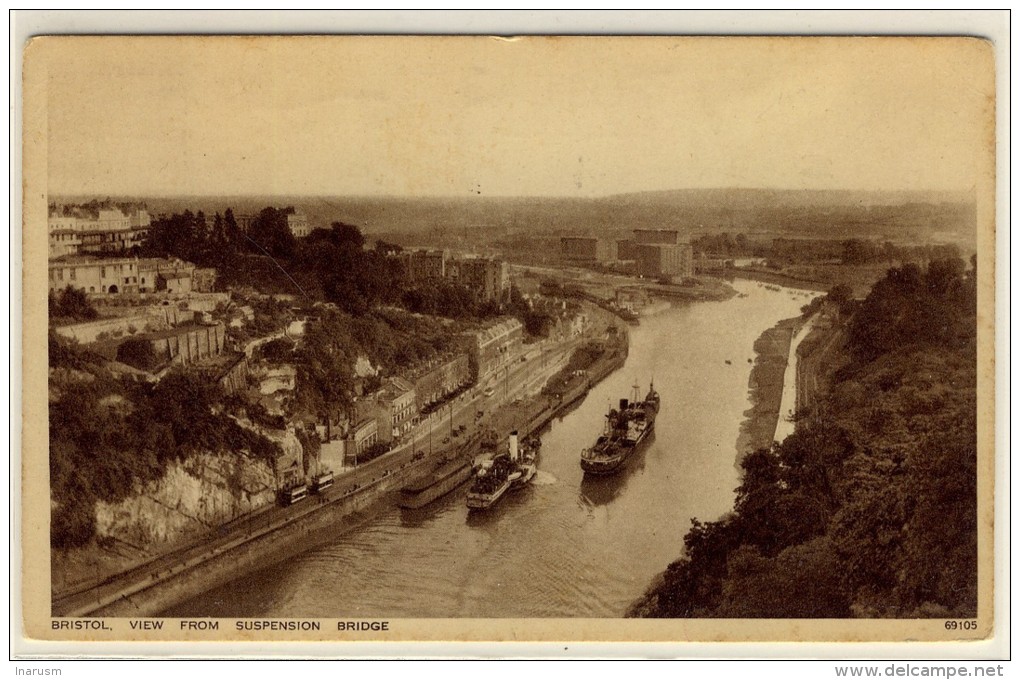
(911, 305)
(723, 244)
(854, 251)
(340, 270)
(217, 242)
(536, 323)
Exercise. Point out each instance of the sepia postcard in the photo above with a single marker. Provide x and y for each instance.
(346, 339)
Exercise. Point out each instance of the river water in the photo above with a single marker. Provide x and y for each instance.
(565, 546)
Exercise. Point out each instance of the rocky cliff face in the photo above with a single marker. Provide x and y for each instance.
(189, 501)
(192, 497)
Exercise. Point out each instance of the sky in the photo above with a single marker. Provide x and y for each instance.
(536, 116)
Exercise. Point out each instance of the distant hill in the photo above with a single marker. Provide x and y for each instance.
(895, 215)
(736, 197)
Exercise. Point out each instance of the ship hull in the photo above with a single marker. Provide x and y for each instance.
(516, 473)
(603, 466)
(479, 501)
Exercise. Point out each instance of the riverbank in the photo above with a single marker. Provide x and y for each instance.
(765, 387)
(890, 423)
(816, 277)
(776, 278)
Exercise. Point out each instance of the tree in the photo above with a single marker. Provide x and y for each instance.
(858, 251)
(71, 303)
(801, 582)
(326, 366)
(270, 234)
(139, 353)
(841, 295)
(73, 524)
(278, 351)
(230, 229)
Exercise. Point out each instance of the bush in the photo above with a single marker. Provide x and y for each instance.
(139, 353)
(73, 523)
(65, 353)
(71, 303)
(278, 351)
(372, 452)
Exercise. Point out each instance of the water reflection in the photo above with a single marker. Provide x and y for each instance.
(603, 489)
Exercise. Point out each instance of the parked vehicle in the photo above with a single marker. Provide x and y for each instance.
(294, 494)
(322, 482)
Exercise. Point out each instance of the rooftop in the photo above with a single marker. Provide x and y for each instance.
(498, 329)
(79, 260)
(396, 386)
(424, 367)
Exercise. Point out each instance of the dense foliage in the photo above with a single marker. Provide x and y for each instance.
(853, 251)
(330, 264)
(138, 352)
(71, 304)
(107, 438)
(869, 508)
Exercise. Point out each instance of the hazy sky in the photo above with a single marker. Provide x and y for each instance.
(574, 116)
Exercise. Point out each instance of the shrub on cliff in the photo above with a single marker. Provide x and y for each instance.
(71, 304)
(66, 353)
(139, 353)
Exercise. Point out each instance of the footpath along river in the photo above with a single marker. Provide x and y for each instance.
(566, 546)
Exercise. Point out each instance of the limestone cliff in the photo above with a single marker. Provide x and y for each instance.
(194, 496)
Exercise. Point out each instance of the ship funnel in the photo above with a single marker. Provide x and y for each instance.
(513, 446)
(623, 404)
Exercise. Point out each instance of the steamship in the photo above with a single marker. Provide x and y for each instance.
(626, 429)
(507, 471)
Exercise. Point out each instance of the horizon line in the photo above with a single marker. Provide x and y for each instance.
(256, 194)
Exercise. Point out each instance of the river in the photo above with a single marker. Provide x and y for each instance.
(565, 546)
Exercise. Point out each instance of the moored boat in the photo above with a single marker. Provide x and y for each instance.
(440, 482)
